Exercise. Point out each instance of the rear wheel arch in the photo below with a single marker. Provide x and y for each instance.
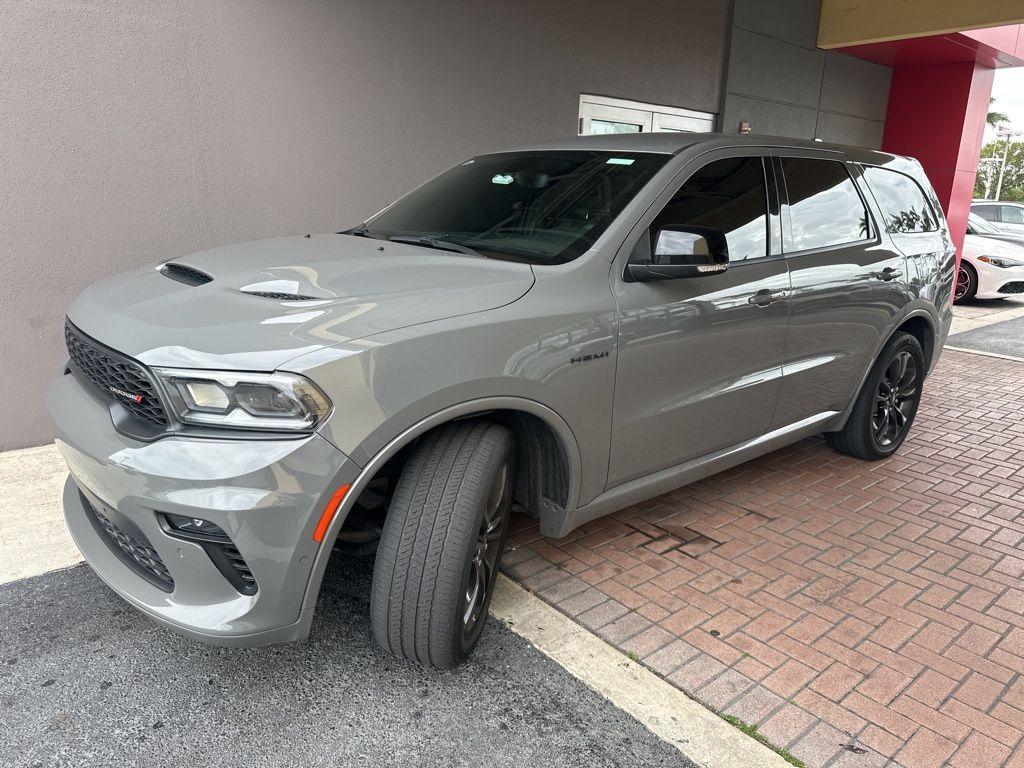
(921, 327)
(920, 324)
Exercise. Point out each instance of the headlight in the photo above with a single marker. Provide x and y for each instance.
(1004, 263)
(274, 401)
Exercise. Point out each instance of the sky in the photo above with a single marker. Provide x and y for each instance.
(1008, 91)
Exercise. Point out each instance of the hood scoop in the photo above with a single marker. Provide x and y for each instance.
(280, 296)
(186, 275)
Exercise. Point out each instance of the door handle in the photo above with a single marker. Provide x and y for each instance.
(764, 297)
(887, 274)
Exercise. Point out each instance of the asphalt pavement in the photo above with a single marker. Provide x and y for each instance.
(1006, 338)
(87, 681)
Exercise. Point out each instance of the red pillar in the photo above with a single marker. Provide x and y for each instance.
(937, 114)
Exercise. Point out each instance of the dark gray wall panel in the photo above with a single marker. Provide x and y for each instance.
(770, 69)
(781, 83)
(843, 129)
(772, 118)
(855, 87)
(792, 21)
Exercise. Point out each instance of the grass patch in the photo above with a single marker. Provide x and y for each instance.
(751, 730)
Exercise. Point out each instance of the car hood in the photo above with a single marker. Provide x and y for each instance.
(977, 245)
(357, 287)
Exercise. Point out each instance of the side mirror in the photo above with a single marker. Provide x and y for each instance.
(683, 252)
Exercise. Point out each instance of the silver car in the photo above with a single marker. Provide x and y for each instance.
(564, 329)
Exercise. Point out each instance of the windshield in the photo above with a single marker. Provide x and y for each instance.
(535, 207)
(978, 224)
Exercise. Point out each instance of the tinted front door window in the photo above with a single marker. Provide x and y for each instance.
(824, 206)
(727, 195)
(987, 212)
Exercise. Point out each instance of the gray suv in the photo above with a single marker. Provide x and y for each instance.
(562, 330)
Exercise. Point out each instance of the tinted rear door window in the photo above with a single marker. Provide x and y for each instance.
(825, 208)
(727, 195)
(903, 203)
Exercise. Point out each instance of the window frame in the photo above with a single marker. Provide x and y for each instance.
(856, 178)
(771, 200)
(862, 167)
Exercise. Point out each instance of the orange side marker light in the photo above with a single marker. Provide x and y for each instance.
(329, 511)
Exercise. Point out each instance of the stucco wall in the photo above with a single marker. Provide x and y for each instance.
(134, 132)
(784, 85)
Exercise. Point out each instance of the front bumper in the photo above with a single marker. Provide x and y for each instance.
(266, 494)
(1000, 283)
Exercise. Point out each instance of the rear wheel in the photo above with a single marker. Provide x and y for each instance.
(966, 283)
(886, 406)
(442, 542)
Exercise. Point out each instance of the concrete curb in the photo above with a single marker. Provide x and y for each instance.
(983, 353)
(670, 714)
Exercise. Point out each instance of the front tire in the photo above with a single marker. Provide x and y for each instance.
(887, 404)
(966, 284)
(442, 542)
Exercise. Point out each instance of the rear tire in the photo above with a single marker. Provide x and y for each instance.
(887, 404)
(966, 284)
(441, 544)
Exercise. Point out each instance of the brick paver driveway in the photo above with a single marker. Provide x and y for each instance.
(861, 614)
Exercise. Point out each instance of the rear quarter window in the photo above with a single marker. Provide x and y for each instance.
(905, 208)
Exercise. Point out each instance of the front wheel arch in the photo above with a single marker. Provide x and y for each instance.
(478, 408)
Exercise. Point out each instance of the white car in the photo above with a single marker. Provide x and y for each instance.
(990, 268)
(1004, 216)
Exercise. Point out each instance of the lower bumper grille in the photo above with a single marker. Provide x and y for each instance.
(133, 551)
(243, 579)
(1015, 287)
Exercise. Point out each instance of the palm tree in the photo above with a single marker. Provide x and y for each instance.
(995, 118)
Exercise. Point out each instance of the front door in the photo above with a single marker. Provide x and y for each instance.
(699, 358)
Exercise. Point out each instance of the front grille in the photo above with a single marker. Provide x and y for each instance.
(281, 296)
(134, 552)
(186, 275)
(1016, 287)
(119, 378)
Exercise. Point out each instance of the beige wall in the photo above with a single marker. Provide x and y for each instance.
(132, 132)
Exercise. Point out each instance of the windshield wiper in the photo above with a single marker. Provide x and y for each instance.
(362, 231)
(435, 242)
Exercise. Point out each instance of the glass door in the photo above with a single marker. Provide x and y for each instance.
(602, 114)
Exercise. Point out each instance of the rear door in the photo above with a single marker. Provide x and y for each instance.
(848, 283)
(699, 358)
(911, 218)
